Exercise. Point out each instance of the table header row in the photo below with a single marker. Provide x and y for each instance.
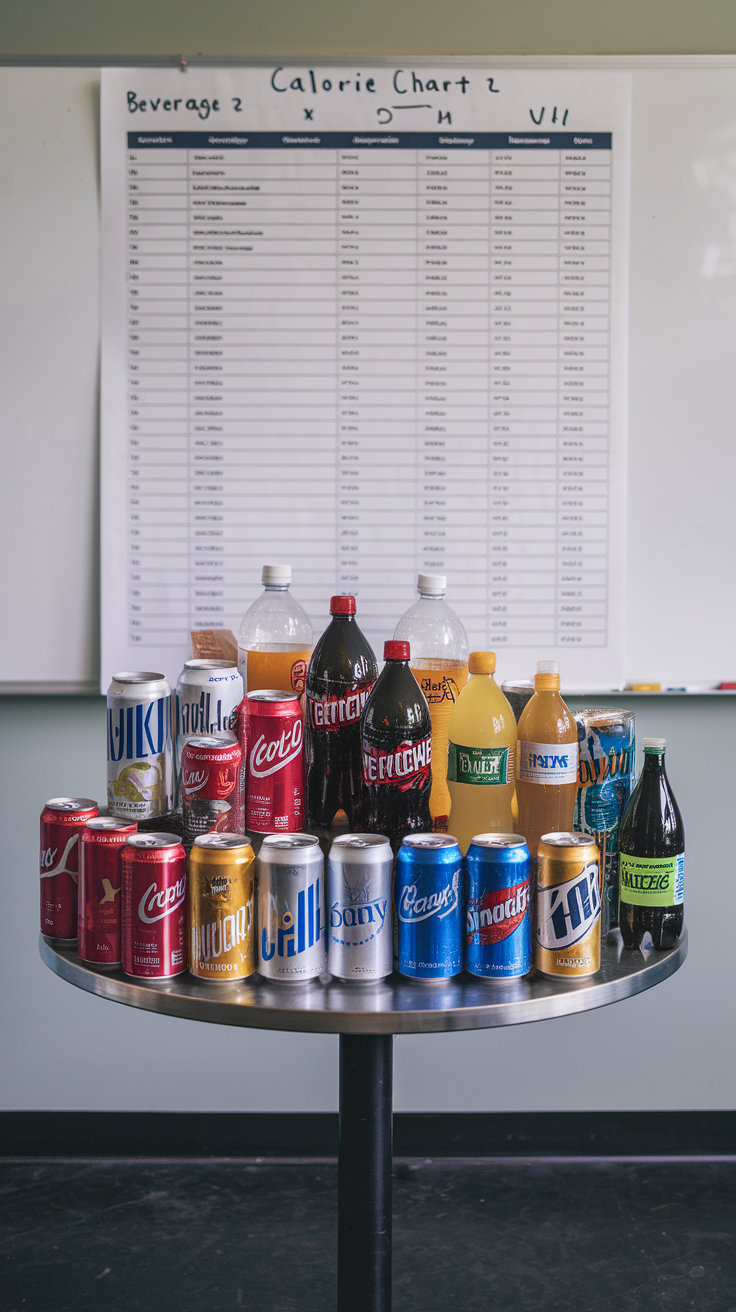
(346, 140)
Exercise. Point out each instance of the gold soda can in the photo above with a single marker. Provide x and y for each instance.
(567, 941)
(221, 907)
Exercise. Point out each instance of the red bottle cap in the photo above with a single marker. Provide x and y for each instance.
(395, 651)
(342, 605)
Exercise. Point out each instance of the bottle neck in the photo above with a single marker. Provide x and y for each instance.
(276, 587)
(431, 596)
(653, 763)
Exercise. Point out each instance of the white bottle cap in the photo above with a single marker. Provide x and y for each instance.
(548, 667)
(277, 576)
(654, 744)
(431, 582)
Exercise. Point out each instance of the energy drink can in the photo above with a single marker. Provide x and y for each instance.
(291, 908)
(221, 901)
(429, 906)
(498, 939)
(568, 934)
(140, 763)
(606, 759)
(359, 929)
(100, 889)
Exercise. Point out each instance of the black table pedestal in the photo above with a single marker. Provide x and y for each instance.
(364, 1173)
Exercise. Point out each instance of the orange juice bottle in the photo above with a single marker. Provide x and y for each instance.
(439, 663)
(547, 760)
(481, 759)
(275, 637)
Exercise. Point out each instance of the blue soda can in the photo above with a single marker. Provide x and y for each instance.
(498, 941)
(428, 892)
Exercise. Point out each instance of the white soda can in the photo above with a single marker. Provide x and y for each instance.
(291, 908)
(359, 921)
(207, 694)
(140, 764)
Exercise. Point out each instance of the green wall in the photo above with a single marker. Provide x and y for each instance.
(382, 27)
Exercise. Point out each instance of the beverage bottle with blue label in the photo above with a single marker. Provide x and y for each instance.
(547, 760)
(481, 755)
(652, 857)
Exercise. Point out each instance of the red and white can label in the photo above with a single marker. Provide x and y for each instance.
(495, 915)
(59, 869)
(404, 767)
(212, 789)
(333, 713)
(154, 912)
(274, 767)
(100, 895)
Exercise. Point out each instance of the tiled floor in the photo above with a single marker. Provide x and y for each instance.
(469, 1236)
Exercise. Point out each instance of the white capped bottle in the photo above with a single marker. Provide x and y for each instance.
(275, 636)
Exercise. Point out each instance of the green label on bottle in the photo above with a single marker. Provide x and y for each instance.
(478, 765)
(652, 881)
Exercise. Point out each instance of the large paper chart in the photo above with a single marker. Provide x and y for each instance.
(366, 322)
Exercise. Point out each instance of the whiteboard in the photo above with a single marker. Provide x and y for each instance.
(681, 348)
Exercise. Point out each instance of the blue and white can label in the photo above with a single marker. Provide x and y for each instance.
(429, 906)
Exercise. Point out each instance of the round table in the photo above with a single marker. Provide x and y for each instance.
(366, 1016)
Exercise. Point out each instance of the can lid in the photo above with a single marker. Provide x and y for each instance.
(429, 840)
(70, 804)
(518, 685)
(278, 576)
(498, 840)
(355, 847)
(111, 824)
(342, 605)
(393, 650)
(431, 582)
(212, 743)
(220, 841)
(153, 840)
(200, 663)
(568, 840)
(272, 695)
(289, 841)
(654, 744)
(482, 662)
(139, 676)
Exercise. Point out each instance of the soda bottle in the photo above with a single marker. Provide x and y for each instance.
(547, 760)
(341, 673)
(439, 662)
(396, 731)
(652, 857)
(481, 761)
(275, 636)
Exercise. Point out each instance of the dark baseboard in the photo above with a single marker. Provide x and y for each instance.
(416, 1134)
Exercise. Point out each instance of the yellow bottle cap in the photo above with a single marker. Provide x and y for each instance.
(547, 677)
(482, 662)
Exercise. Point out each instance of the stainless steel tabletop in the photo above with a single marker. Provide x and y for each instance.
(395, 1006)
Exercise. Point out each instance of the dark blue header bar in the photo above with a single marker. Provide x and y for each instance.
(366, 140)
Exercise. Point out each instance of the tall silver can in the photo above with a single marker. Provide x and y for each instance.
(140, 763)
(291, 907)
(359, 922)
(207, 694)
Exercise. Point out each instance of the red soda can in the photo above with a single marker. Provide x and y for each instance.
(211, 787)
(271, 732)
(62, 821)
(154, 906)
(100, 885)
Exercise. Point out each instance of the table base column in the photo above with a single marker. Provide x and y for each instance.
(364, 1173)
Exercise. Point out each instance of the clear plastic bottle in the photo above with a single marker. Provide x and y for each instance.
(275, 637)
(482, 756)
(547, 761)
(439, 663)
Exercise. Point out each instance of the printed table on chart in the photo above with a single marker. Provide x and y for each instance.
(369, 361)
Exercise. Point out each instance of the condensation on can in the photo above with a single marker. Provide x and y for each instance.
(140, 761)
(62, 823)
(291, 908)
(359, 922)
(154, 906)
(221, 902)
(498, 938)
(567, 939)
(100, 889)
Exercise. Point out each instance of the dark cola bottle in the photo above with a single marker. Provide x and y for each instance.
(341, 673)
(652, 857)
(397, 750)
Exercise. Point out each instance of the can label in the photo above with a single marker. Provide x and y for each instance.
(212, 796)
(567, 912)
(652, 881)
(140, 778)
(404, 767)
(480, 765)
(273, 746)
(154, 914)
(291, 941)
(495, 915)
(335, 712)
(546, 763)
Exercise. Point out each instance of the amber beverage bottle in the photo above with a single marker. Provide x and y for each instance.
(547, 760)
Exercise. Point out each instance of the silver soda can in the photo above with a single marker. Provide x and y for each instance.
(207, 694)
(291, 907)
(359, 922)
(140, 766)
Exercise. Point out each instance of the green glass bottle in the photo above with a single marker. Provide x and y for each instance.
(652, 857)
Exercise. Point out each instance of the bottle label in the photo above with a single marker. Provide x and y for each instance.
(548, 763)
(652, 881)
(443, 688)
(406, 767)
(335, 712)
(479, 765)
